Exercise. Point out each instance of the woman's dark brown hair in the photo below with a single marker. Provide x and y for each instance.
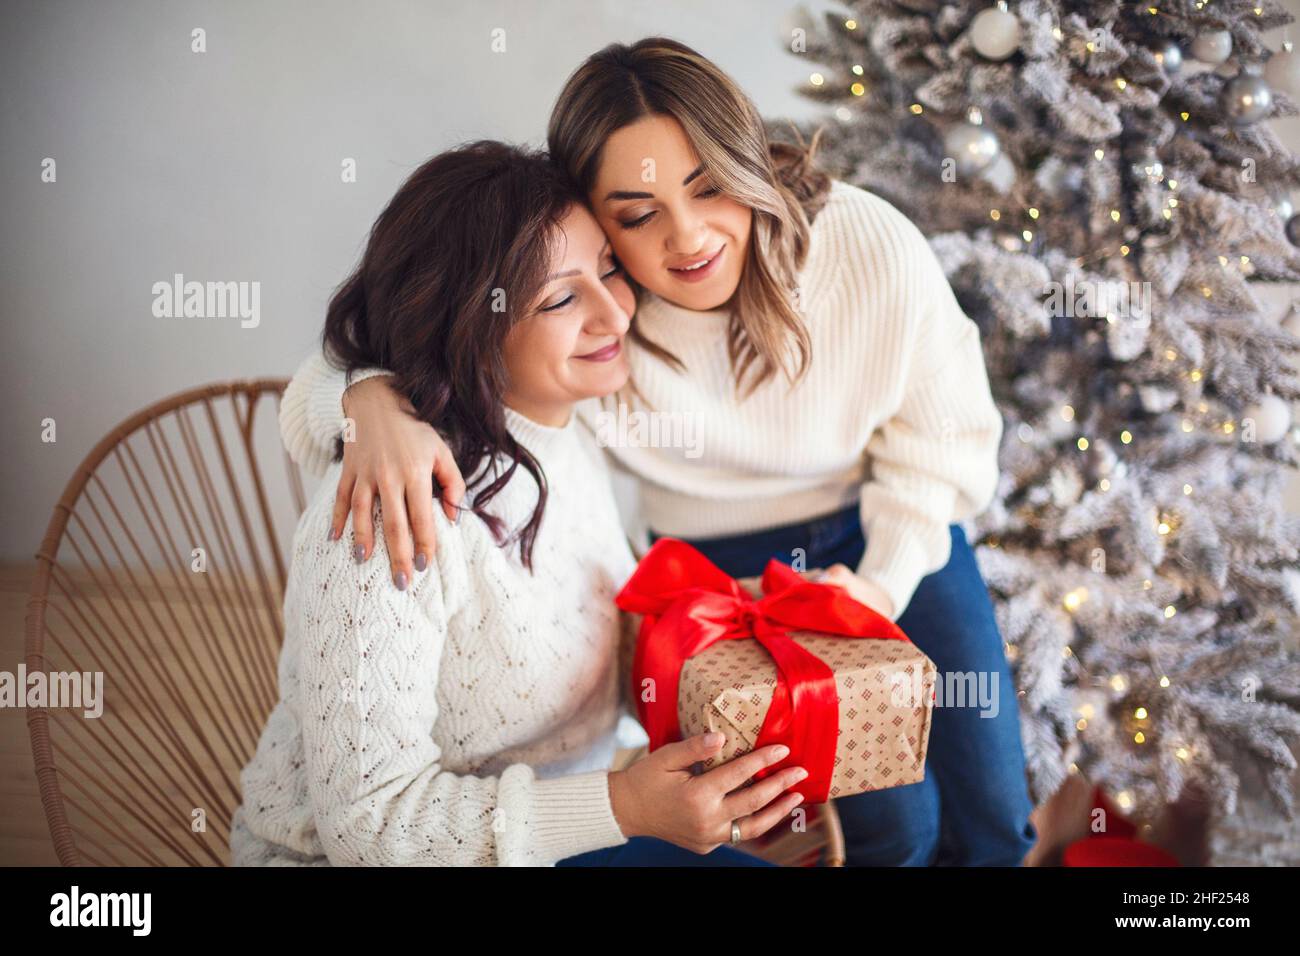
(458, 256)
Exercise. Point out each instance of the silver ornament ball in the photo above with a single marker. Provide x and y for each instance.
(1170, 56)
(973, 147)
(1293, 229)
(1246, 99)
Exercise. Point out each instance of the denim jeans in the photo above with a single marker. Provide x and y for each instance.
(972, 808)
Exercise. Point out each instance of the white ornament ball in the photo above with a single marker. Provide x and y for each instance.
(995, 33)
(1292, 323)
(1212, 46)
(1272, 417)
(1283, 71)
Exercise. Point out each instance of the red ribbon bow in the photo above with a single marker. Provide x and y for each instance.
(689, 604)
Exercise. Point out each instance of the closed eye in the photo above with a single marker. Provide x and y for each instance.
(558, 305)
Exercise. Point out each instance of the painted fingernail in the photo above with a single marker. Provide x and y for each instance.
(421, 562)
(798, 799)
(400, 580)
(798, 774)
(781, 751)
(359, 552)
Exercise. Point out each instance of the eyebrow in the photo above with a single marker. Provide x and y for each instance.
(573, 272)
(623, 194)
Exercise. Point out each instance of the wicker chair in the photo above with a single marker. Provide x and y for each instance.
(163, 568)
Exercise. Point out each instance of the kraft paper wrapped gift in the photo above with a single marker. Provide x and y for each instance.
(879, 743)
(854, 693)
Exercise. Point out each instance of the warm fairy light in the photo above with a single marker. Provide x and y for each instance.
(1056, 32)
(1223, 260)
(1033, 212)
(1067, 412)
(1104, 484)
(1202, 407)
(1124, 799)
(1182, 753)
(1114, 215)
(1072, 600)
(1121, 82)
(1099, 153)
(1184, 115)
(1123, 250)
(1126, 436)
(1228, 428)
(1082, 443)
(850, 24)
(1118, 684)
(1152, 10)
(1169, 611)
(995, 215)
(1067, 651)
(1194, 375)
(1140, 713)
(1028, 235)
(1086, 711)
(1167, 214)
(1187, 489)
(857, 89)
(916, 108)
(1187, 426)
(816, 79)
(1139, 738)
(1163, 527)
(1245, 260)
(1170, 354)
(1110, 318)
(1091, 47)
(1146, 584)
(1081, 724)
(1164, 681)
(857, 69)
(1173, 184)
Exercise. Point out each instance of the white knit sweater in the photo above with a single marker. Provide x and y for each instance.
(895, 412)
(469, 720)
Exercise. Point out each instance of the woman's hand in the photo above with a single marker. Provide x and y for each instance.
(395, 457)
(859, 588)
(658, 795)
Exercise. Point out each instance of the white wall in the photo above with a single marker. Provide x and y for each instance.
(226, 166)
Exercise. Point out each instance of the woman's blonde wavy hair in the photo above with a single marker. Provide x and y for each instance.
(657, 76)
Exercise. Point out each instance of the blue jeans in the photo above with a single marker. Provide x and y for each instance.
(972, 808)
(649, 851)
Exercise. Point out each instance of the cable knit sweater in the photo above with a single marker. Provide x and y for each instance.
(468, 720)
(895, 412)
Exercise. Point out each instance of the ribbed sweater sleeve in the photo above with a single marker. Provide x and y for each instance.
(370, 661)
(933, 461)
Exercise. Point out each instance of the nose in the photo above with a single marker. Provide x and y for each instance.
(607, 317)
(687, 235)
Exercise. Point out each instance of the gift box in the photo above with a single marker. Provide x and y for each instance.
(791, 662)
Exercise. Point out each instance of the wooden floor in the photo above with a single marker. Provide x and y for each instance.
(25, 838)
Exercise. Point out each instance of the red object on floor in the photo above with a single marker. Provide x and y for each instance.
(1117, 846)
(1115, 851)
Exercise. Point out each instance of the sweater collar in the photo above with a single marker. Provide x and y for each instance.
(541, 440)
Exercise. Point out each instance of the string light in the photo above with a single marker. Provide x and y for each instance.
(816, 79)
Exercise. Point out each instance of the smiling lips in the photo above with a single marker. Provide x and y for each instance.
(698, 269)
(603, 355)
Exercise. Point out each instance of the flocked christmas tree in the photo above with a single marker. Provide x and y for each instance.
(1102, 186)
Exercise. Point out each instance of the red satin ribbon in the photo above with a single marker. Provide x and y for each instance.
(689, 604)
